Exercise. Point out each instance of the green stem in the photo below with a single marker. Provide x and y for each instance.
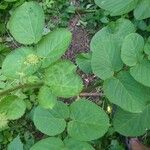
(22, 86)
(84, 93)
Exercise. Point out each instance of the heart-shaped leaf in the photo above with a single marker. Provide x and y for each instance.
(106, 44)
(13, 107)
(132, 124)
(132, 49)
(46, 98)
(88, 121)
(72, 144)
(127, 93)
(27, 23)
(50, 143)
(20, 63)
(51, 121)
(16, 144)
(142, 10)
(141, 72)
(117, 7)
(63, 80)
(53, 143)
(53, 46)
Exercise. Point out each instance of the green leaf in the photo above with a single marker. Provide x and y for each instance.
(132, 49)
(72, 144)
(83, 60)
(89, 121)
(51, 122)
(118, 29)
(53, 46)
(16, 144)
(103, 63)
(50, 143)
(3, 5)
(142, 10)
(116, 145)
(13, 107)
(21, 62)
(53, 143)
(63, 80)
(106, 44)
(117, 7)
(132, 124)
(141, 72)
(121, 28)
(61, 110)
(125, 92)
(46, 98)
(27, 23)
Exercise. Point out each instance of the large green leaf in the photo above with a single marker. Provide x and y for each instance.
(51, 121)
(142, 10)
(117, 7)
(132, 49)
(16, 144)
(89, 121)
(53, 143)
(106, 44)
(62, 79)
(53, 46)
(103, 63)
(125, 92)
(132, 124)
(21, 62)
(121, 28)
(13, 107)
(61, 110)
(46, 98)
(72, 144)
(118, 29)
(27, 23)
(50, 143)
(141, 72)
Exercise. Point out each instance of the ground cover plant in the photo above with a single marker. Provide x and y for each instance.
(44, 101)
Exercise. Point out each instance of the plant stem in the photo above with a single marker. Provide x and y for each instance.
(39, 84)
(21, 86)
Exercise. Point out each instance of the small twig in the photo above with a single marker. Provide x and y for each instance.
(91, 94)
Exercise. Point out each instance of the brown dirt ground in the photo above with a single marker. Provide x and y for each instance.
(80, 43)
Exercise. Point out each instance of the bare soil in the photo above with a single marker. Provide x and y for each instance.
(80, 41)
